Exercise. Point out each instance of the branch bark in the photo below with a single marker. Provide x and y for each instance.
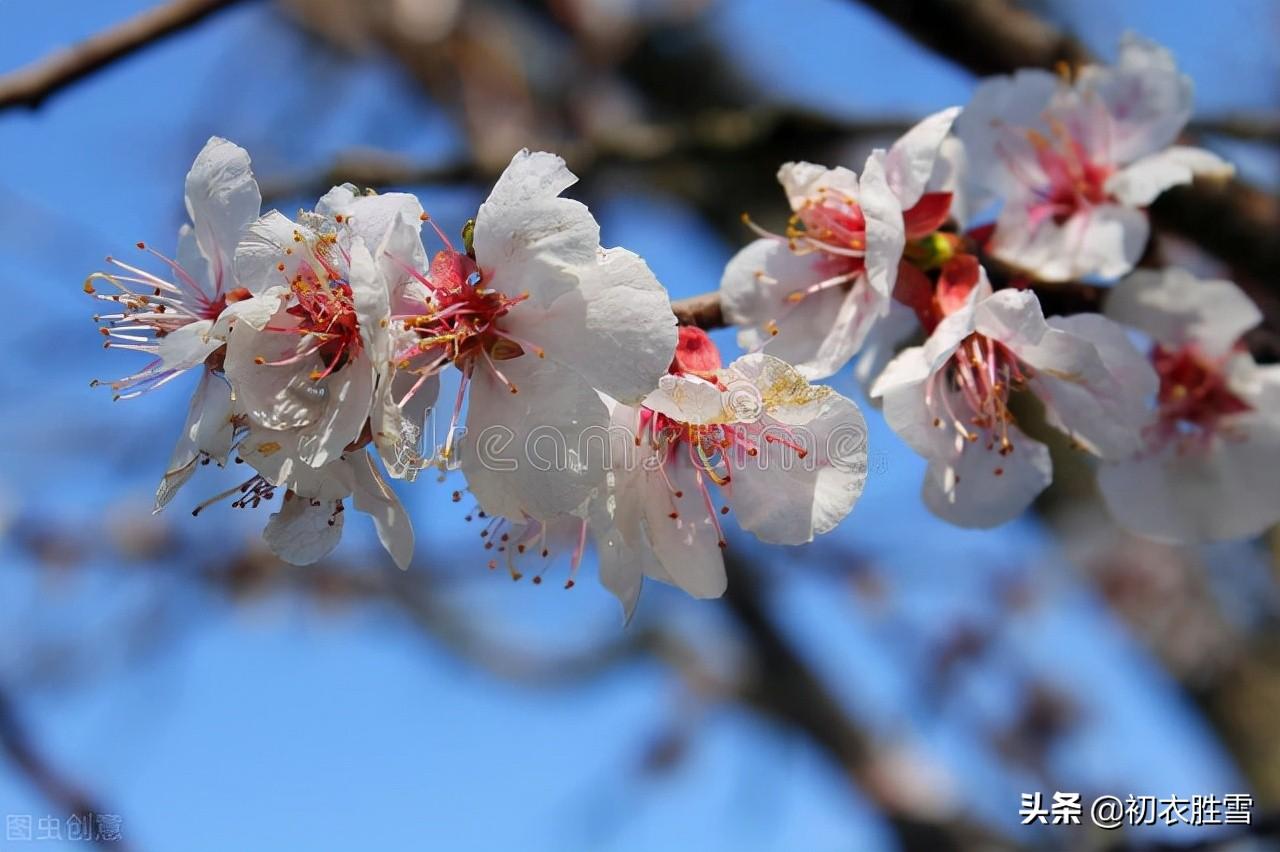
(32, 85)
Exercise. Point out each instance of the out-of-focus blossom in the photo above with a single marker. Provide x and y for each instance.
(1206, 469)
(1075, 162)
(949, 399)
(814, 294)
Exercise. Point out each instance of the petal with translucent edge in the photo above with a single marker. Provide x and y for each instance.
(191, 258)
(980, 488)
(266, 244)
(1147, 99)
(623, 567)
(778, 495)
(991, 132)
(529, 240)
(1140, 183)
(208, 430)
(1177, 309)
(615, 328)
(348, 398)
(1193, 494)
(886, 233)
(688, 399)
(688, 546)
(1105, 241)
(901, 389)
(819, 333)
(372, 302)
(305, 530)
(537, 451)
(375, 498)
(399, 429)
(371, 217)
(882, 342)
(255, 311)
(222, 199)
(187, 346)
(1107, 418)
(275, 455)
(910, 161)
(806, 182)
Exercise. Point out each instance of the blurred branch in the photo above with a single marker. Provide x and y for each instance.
(786, 689)
(30, 86)
(19, 746)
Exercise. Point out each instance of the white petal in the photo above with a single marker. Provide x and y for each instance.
(1107, 416)
(188, 346)
(819, 333)
(375, 498)
(778, 495)
(910, 161)
(1105, 241)
(886, 234)
(991, 132)
(804, 182)
(371, 217)
(538, 451)
(622, 567)
(208, 430)
(304, 530)
(1139, 184)
(263, 248)
(982, 488)
(222, 199)
(1176, 309)
(688, 546)
(275, 455)
(348, 398)
(688, 399)
(615, 328)
(526, 238)
(1147, 99)
(1187, 495)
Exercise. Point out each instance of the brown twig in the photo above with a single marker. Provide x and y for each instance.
(32, 85)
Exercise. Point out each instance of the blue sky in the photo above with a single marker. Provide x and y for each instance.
(274, 724)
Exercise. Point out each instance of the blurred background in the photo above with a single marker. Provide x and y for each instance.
(896, 685)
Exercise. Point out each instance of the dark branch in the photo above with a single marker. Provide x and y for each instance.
(30, 86)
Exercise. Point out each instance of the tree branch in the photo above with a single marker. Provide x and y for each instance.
(30, 86)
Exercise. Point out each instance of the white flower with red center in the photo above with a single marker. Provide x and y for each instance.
(311, 364)
(815, 293)
(181, 318)
(1207, 466)
(537, 317)
(790, 458)
(1075, 163)
(949, 399)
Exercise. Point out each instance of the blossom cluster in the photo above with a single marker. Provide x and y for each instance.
(584, 414)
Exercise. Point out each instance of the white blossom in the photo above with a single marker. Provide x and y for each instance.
(1207, 467)
(181, 317)
(1075, 162)
(949, 399)
(815, 294)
